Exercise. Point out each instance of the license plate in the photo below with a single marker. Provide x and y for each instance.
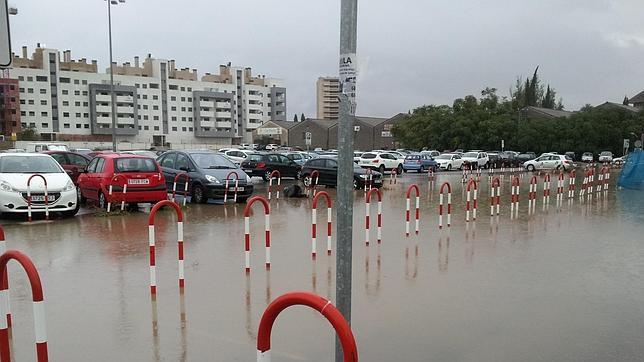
(42, 198)
(239, 189)
(138, 181)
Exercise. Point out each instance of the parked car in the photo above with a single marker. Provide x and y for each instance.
(262, 164)
(509, 158)
(476, 158)
(299, 157)
(328, 170)
(449, 161)
(356, 156)
(237, 155)
(419, 163)
(571, 154)
(619, 160)
(15, 170)
(606, 156)
(73, 163)
(587, 157)
(271, 147)
(46, 146)
(494, 159)
(523, 157)
(145, 153)
(431, 153)
(549, 162)
(381, 161)
(145, 181)
(207, 171)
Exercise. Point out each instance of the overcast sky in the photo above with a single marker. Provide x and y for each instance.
(411, 52)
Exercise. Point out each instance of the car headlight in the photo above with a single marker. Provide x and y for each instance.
(212, 179)
(363, 176)
(5, 186)
(247, 179)
(69, 186)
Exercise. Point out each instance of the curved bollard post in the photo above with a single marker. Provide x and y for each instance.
(590, 174)
(236, 186)
(571, 184)
(267, 229)
(152, 243)
(185, 186)
(606, 177)
(449, 204)
(532, 195)
(514, 205)
(495, 196)
(546, 190)
(560, 188)
(38, 306)
(379, 220)
(111, 189)
(342, 328)
(430, 174)
(29, 196)
(314, 230)
(315, 177)
(4, 286)
(369, 179)
(471, 203)
(411, 188)
(274, 175)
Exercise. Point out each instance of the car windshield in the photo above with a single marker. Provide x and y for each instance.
(212, 161)
(444, 157)
(29, 164)
(135, 164)
(368, 155)
(471, 155)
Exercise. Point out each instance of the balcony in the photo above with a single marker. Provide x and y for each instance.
(223, 124)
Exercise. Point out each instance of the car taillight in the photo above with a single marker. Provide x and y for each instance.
(261, 165)
(375, 161)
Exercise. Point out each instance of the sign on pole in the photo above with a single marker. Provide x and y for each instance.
(5, 37)
(348, 76)
(502, 144)
(307, 138)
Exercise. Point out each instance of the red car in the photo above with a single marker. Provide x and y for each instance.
(73, 163)
(145, 181)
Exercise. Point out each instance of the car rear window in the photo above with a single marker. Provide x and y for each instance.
(412, 157)
(138, 164)
(368, 155)
(255, 157)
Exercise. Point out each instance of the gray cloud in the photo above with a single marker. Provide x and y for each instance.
(411, 52)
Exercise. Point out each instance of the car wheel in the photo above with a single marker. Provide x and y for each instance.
(381, 169)
(102, 201)
(355, 184)
(306, 180)
(421, 169)
(399, 170)
(449, 167)
(81, 200)
(267, 175)
(198, 195)
(70, 213)
(530, 168)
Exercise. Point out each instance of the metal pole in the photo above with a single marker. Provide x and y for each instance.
(348, 36)
(113, 96)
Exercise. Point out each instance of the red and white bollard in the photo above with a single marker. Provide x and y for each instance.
(546, 190)
(591, 181)
(369, 179)
(40, 326)
(152, 243)
(231, 173)
(323, 306)
(442, 190)
(123, 191)
(514, 199)
(315, 178)
(571, 184)
(379, 220)
(4, 286)
(560, 188)
(185, 186)
(464, 168)
(584, 186)
(29, 197)
(495, 196)
(274, 175)
(314, 214)
(471, 203)
(430, 174)
(267, 229)
(606, 177)
(393, 177)
(532, 195)
(411, 188)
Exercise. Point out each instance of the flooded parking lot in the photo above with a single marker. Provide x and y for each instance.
(563, 284)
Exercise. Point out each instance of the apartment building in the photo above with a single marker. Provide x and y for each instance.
(9, 106)
(156, 103)
(327, 92)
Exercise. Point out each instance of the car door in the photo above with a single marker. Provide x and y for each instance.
(290, 168)
(85, 181)
(62, 160)
(457, 161)
(95, 178)
(541, 162)
(77, 165)
(182, 165)
(167, 163)
(329, 172)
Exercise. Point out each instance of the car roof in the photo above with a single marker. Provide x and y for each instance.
(25, 154)
(121, 155)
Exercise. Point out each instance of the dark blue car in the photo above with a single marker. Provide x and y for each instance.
(419, 163)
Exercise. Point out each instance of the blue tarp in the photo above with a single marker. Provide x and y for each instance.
(632, 175)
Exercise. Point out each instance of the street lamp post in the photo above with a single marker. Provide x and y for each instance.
(112, 94)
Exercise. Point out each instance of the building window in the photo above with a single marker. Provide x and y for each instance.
(41, 78)
(145, 117)
(183, 89)
(44, 125)
(156, 118)
(65, 92)
(154, 86)
(183, 99)
(183, 129)
(43, 102)
(174, 119)
(85, 104)
(86, 126)
(30, 79)
(86, 115)
(22, 90)
(65, 103)
(76, 93)
(183, 119)
(173, 98)
(63, 80)
(189, 89)
(174, 129)
(190, 129)
(43, 114)
(23, 113)
(145, 96)
(66, 125)
(145, 106)
(155, 97)
(65, 114)
(189, 99)
(31, 101)
(84, 82)
(78, 115)
(85, 93)
(43, 91)
(76, 81)
(30, 90)
(32, 125)
(22, 101)
(172, 87)
(21, 78)
(189, 109)
(77, 104)
(78, 125)
(183, 109)
(173, 108)
(137, 85)
(156, 128)
(156, 108)
(146, 128)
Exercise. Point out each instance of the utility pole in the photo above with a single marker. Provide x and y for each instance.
(348, 36)
(113, 95)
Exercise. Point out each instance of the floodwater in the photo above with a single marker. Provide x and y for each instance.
(560, 285)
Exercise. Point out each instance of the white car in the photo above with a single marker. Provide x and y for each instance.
(587, 157)
(549, 162)
(237, 156)
(15, 171)
(381, 161)
(431, 153)
(449, 161)
(271, 147)
(606, 156)
(480, 159)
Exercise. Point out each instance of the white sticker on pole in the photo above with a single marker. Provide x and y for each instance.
(5, 38)
(348, 74)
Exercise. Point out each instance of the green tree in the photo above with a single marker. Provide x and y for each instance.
(28, 134)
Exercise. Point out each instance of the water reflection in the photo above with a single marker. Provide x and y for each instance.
(155, 330)
(372, 288)
(249, 311)
(411, 268)
(443, 253)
